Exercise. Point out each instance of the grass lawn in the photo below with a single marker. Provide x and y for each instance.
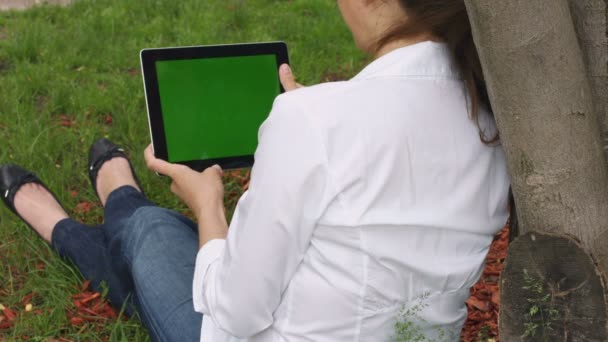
(71, 75)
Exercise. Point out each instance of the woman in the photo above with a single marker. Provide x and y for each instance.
(371, 202)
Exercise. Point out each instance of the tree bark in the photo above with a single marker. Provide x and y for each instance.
(590, 21)
(544, 106)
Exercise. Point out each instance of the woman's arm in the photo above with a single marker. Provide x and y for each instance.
(239, 282)
(203, 192)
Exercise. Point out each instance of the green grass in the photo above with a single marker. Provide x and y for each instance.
(81, 63)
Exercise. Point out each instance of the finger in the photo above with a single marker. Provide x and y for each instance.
(219, 168)
(214, 169)
(157, 165)
(287, 78)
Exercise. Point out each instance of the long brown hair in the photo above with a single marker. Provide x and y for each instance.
(448, 21)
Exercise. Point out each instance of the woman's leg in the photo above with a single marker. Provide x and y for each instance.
(159, 247)
(120, 206)
(143, 253)
(86, 247)
(140, 247)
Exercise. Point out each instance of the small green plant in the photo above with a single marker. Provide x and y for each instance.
(541, 314)
(409, 321)
(484, 334)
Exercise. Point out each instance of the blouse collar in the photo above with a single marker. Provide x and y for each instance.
(417, 60)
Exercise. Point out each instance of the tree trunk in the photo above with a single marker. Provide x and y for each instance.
(590, 21)
(544, 106)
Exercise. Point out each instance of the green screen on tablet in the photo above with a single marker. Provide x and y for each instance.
(210, 105)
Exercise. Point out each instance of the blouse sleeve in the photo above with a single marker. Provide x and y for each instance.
(238, 282)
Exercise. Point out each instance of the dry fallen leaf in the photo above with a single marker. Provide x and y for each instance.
(84, 207)
(478, 304)
(90, 307)
(9, 314)
(66, 121)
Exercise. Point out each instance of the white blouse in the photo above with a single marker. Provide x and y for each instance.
(371, 201)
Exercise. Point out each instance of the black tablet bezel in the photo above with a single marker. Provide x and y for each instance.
(148, 59)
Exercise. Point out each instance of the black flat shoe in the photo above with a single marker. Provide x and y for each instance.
(100, 152)
(12, 178)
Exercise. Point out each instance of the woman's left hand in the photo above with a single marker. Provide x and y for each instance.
(203, 191)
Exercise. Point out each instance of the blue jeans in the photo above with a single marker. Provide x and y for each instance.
(145, 255)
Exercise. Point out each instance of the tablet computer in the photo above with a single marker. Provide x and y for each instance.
(206, 103)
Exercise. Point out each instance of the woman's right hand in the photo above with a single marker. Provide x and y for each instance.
(288, 80)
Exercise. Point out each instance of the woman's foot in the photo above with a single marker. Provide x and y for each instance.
(113, 174)
(39, 208)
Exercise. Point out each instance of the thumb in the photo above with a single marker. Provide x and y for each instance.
(157, 165)
(218, 168)
(287, 78)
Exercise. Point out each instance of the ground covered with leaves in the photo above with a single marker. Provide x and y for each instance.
(71, 75)
(482, 322)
